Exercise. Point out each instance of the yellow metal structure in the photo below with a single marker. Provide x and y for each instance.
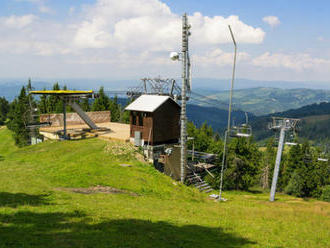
(61, 92)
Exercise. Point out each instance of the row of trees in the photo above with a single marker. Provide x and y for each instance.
(247, 165)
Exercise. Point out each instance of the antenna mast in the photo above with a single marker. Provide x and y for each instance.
(185, 82)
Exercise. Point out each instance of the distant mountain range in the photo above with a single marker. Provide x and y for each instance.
(314, 125)
(261, 101)
(200, 85)
(215, 117)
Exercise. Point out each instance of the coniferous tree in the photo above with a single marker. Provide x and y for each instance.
(268, 160)
(4, 109)
(19, 117)
(243, 164)
(114, 108)
(29, 86)
(43, 104)
(102, 102)
(310, 176)
(85, 104)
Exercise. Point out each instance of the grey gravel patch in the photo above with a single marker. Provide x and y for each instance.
(125, 165)
(97, 189)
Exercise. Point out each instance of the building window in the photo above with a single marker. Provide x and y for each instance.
(133, 118)
(140, 119)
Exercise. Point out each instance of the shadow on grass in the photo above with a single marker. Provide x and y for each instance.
(2, 158)
(256, 191)
(29, 229)
(18, 199)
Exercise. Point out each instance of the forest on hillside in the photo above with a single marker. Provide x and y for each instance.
(314, 124)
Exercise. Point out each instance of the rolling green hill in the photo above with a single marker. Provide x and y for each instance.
(314, 125)
(261, 101)
(77, 194)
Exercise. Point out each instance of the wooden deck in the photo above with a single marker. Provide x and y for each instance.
(109, 130)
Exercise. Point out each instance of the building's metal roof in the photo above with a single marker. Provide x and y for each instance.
(61, 92)
(148, 103)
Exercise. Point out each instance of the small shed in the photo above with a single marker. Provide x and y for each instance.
(154, 119)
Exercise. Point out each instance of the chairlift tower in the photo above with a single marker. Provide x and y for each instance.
(284, 125)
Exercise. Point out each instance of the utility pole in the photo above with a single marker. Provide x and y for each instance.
(229, 116)
(185, 70)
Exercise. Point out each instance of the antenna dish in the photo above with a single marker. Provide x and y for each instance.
(174, 56)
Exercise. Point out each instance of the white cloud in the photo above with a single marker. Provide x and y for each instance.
(214, 30)
(273, 21)
(135, 36)
(72, 10)
(218, 57)
(41, 4)
(133, 27)
(296, 62)
(152, 25)
(45, 9)
(17, 22)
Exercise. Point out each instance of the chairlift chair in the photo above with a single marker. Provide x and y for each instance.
(323, 159)
(243, 131)
(33, 120)
(291, 139)
(323, 156)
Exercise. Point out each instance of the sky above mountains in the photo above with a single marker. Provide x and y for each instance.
(126, 39)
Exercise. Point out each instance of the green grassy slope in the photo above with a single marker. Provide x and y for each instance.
(38, 210)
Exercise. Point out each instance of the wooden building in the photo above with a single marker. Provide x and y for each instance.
(154, 120)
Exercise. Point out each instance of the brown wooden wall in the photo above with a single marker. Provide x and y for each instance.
(145, 128)
(166, 123)
(163, 124)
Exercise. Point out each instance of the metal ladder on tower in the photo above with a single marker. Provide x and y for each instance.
(82, 114)
(194, 178)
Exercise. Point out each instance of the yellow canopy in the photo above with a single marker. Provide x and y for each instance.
(61, 92)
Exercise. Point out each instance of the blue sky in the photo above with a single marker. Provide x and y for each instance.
(126, 39)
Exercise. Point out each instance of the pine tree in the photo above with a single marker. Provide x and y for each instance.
(19, 117)
(43, 104)
(268, 164)
(102, 102)
(243, 164)
(4, 109)
(114, 108)
(85, 104)
(29, 85)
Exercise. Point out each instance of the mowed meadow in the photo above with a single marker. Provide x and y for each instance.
(78, 194)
